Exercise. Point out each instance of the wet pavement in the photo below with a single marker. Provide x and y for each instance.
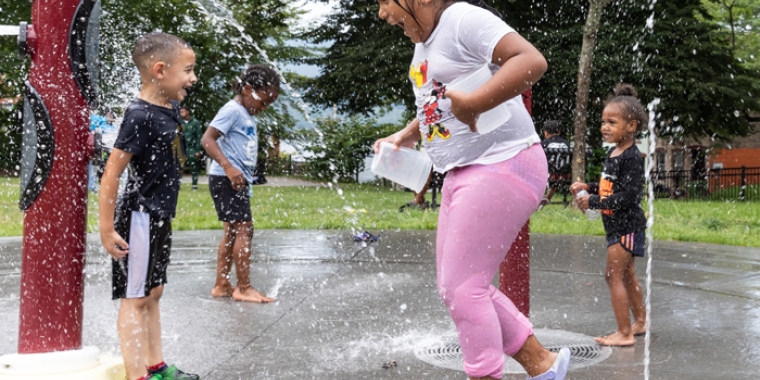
(343, 310)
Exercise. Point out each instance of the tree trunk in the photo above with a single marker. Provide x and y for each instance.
(584, 83)
(730, 8)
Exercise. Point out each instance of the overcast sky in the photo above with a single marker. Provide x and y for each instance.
(316, 10)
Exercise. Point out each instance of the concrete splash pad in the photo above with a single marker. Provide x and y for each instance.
(345, 310)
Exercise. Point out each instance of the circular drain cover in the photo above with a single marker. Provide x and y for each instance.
(448, 354)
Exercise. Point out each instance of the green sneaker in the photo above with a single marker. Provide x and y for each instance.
(155, 377)
(173, 373)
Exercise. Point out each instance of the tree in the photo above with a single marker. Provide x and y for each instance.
(13, 73)
(226, 36)
(590, 31)
(741, 18)
(705, 91)
(341, 147)
(365, 65)
(661, 48)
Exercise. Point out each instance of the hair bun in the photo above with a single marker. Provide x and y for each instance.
(623, 89)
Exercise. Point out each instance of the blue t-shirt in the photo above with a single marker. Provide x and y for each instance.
(238, 142)
(147, 133)
(100, 122)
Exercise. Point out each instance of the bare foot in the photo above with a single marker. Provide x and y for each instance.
(639, 328)
(222, 291)
(250, 294)
(616, 339)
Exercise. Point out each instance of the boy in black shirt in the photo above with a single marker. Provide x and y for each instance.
(139, 237)
(559, 162)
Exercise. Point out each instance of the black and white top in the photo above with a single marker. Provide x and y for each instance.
(557, 154)
(619, 193)
(147, 132)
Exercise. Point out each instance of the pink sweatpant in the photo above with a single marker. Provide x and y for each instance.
(482, 211)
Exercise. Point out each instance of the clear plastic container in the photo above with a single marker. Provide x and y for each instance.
(491, 119)
(407, 167)
(590, 214)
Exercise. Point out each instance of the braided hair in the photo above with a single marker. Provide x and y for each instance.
(626, 96)
(260, 77)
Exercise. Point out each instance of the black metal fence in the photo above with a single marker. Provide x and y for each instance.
(741, 184)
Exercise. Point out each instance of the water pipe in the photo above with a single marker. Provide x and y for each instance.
(62, 45)
(514, 271)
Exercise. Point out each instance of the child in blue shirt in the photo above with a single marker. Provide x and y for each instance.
(231, 141)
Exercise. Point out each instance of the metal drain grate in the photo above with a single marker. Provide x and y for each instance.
(448, 354)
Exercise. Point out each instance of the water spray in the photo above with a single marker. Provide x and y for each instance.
(62, 45)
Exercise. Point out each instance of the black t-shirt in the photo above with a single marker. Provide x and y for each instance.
(558, 154)
(555, 141)
(147, 133)
(619, 193)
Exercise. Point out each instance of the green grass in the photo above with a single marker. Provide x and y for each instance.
(719, 222)
(373, 208)
(359, 206)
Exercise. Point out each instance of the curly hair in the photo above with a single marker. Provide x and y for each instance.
(260, 77)
(630, 106)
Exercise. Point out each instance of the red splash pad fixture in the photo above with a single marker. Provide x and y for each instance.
(514, 271)
(58, 96)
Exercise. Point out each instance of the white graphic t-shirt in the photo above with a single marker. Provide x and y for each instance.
(239, 142)
(462, 43)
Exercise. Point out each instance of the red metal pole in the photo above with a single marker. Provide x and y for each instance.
(53, 253)
(514, 271)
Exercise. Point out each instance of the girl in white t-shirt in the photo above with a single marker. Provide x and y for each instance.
(494, 180)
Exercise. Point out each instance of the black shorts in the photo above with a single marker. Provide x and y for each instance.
(231, 205)
(634, 243)
(557, 181)
(144, 267)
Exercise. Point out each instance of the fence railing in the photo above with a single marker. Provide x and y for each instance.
(282, 166)
(741, 184)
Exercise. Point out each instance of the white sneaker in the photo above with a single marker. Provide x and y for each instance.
(558, 371)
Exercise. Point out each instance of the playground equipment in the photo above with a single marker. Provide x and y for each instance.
(62, 43)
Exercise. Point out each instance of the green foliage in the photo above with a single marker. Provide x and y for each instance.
(225, 41)
(704, 91)
(12, 76)
(366, 64)
(341, 147)
(594, 164)
(10, 138)
(376, 208)
(681, 60)
(223, 48)
(739, 22)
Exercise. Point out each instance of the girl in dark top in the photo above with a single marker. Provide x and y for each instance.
(618, 195)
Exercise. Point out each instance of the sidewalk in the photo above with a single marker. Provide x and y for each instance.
(344, 310)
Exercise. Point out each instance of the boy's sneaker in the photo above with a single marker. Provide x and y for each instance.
(173, 373)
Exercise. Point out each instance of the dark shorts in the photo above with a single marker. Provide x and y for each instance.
(231, 205)
(634, 243)
(144, 267)
(558, 180)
